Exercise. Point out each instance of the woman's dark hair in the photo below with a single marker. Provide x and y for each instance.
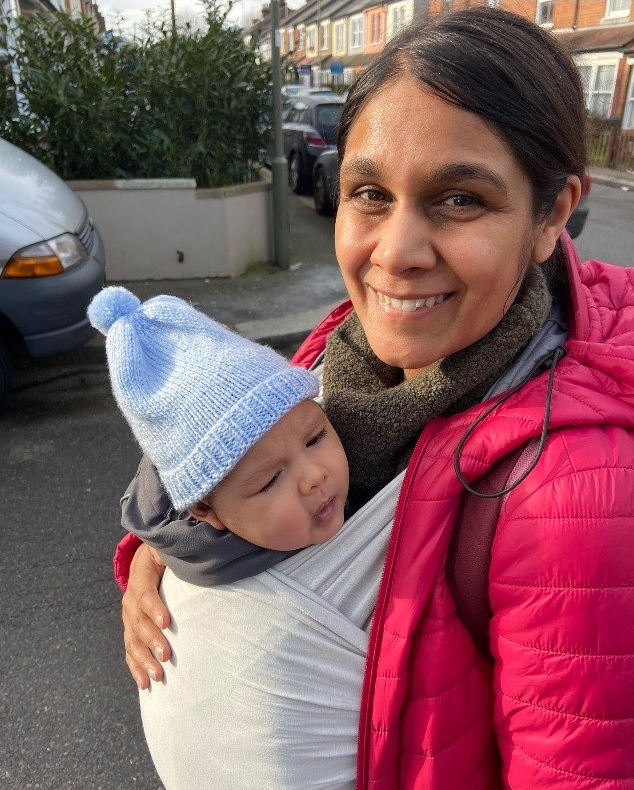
(505, 69)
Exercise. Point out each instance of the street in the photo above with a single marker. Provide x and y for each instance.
(68, 707)
(609, 232)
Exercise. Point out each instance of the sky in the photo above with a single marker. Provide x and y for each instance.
(243, 13)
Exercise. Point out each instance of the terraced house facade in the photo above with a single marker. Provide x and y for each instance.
(327, 42)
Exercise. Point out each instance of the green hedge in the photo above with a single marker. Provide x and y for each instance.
(183, 104)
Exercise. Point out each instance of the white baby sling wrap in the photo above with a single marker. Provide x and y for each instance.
(263, 689)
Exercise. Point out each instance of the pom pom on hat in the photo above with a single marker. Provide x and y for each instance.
(196, 395)
(109, 305)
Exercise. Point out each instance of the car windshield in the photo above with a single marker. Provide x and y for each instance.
(328, 114)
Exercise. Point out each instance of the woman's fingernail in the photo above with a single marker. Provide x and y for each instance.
(152, 673)
(159, 621)
(158, 652)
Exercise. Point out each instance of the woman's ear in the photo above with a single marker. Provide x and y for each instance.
(551, 228)
(202, 511)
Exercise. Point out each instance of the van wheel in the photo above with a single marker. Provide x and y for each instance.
(6, 370)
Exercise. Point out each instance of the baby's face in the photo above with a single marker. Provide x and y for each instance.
(290, 488)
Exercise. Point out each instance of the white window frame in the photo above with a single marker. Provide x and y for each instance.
(311, 41)
(355, 41)
(339, 38)
(264, 50)
(301, 44)
(403, 10)
(628, 110)
(595, 62)
(616, 8)
(324, 35)
(544, 12)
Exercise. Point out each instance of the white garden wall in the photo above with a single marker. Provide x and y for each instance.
(167, 229)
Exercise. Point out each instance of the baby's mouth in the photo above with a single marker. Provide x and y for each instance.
(325, 511)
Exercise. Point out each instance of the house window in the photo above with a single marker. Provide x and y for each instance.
(325, 35)
(628, 115)
(398, 19)
(598, 87)
(302, 38)
(356, 33)
(291, 39)
(312, 39)
(544, 15)
(618, 7)
(339, 37)
(375, 35)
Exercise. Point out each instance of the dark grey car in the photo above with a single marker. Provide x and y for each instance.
(309, 128)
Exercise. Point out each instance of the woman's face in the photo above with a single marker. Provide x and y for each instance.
(434, 228)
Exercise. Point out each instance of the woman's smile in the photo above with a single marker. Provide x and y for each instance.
(408, 304)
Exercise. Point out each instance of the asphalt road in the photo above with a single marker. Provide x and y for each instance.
(68, 709)
(609, 231)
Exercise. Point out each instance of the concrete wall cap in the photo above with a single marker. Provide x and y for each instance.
(234, 189)
(133, 183)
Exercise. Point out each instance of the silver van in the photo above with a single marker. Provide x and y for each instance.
(52, 262)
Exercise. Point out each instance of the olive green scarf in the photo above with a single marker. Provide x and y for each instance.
(379, 415)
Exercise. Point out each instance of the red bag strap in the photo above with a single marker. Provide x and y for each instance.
(469, 555)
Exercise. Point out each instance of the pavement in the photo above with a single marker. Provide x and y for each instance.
(280, 307)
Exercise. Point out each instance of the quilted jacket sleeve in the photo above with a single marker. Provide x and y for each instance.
(562, 633)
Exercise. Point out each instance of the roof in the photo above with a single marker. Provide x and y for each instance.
(315, 10)
(598, 39)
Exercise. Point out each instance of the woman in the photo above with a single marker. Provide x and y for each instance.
(461, 153)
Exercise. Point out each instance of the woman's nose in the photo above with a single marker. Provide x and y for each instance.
(404, 241)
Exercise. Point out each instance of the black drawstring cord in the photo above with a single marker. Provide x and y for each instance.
(558, 353)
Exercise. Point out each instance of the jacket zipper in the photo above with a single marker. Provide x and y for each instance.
(367, 690)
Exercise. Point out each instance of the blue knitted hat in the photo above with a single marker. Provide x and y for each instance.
(197, 396)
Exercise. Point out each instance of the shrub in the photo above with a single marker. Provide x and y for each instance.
(167, 104)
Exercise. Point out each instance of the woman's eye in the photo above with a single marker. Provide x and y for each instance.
(462, 201)
(316, 438)
(370, 195)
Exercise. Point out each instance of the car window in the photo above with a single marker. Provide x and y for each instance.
(296, 113)
(328, 114)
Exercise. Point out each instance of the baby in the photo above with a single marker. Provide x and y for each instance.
(231, 426)
(264, 682)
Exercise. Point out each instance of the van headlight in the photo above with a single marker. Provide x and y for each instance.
(46, 257)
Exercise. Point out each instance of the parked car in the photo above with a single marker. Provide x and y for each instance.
(309, 127)
(326, 182)
(291, 90)
(52, 262)
(578, 219)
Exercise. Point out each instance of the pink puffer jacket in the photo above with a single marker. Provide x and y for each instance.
(557, 710)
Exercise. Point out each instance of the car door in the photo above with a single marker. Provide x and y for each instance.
(293, 127)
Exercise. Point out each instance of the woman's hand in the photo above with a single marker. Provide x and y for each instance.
(144, 615)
